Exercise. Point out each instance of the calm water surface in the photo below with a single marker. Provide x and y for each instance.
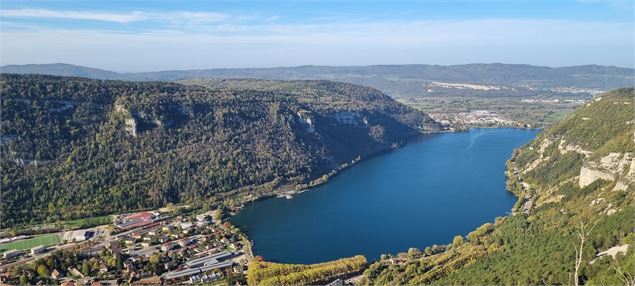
(422, 194)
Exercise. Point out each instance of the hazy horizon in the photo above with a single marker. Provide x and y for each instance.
(161, 35)
(308, 65)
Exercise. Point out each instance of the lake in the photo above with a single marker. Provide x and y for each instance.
(424, 193)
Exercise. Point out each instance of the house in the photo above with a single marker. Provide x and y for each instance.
(68, 283)
(167, 247)
(55, 274)
(184, 242)
(38, 249)
(103, 268)
(152, 232)
(186, 225)
(129, 241)
(145, 244)
(73, 271)
(203, 216)
(137, 235)
(135, 220)
(202, 223)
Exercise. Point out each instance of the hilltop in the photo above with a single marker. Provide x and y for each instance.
(461, 96)
(75, 147)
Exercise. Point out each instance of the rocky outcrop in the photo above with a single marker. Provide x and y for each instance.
(563, 147)
(306, 117)
(350, 118)
(588, 176)
(612, 166)
(131, 126)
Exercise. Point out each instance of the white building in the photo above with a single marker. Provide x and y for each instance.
(11, 253)
(38, 249)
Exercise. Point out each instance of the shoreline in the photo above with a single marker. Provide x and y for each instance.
(333, 173)
(408, 140)
(337, 171)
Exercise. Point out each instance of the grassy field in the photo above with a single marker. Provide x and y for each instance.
(46, 240)
(556, 116)
(87, 222)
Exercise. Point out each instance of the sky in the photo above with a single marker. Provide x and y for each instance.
(132, 36)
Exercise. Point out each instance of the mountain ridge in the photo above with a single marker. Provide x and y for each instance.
(82, 143)
(396, 80)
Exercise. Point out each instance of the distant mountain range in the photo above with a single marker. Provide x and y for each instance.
(396, 80)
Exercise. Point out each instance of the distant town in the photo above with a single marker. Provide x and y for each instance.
(145, 248)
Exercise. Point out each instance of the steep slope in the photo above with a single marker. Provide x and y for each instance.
(580, 173)
(75, 147)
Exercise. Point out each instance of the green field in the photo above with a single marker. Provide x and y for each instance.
(556, 116)
(46, 240)
(87, 222)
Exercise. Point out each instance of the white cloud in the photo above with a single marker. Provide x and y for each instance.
(121, 17)
(77, 15)
(533, 41)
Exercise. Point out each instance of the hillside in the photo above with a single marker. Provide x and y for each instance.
(576, 177)
(74, 147)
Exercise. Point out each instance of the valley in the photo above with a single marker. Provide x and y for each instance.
(336, 143)
(103, 148)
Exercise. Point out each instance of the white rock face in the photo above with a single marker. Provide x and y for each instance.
(572, 148)
(131, 126)
(609, 168)
(588, 176)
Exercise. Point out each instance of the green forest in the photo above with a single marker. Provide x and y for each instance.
(74, 148)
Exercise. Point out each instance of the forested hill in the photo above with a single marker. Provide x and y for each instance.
(575, 178)
(74, 147)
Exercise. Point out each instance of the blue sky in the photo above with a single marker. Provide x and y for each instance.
(159, 35)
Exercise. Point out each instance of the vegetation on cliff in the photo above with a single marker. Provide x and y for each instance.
(74, 147)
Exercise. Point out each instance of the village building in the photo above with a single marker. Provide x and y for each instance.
(55, 274)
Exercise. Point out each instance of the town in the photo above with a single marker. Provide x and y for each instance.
(481, 118)
(145, 248)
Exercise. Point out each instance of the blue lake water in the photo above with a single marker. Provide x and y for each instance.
(424, 193)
